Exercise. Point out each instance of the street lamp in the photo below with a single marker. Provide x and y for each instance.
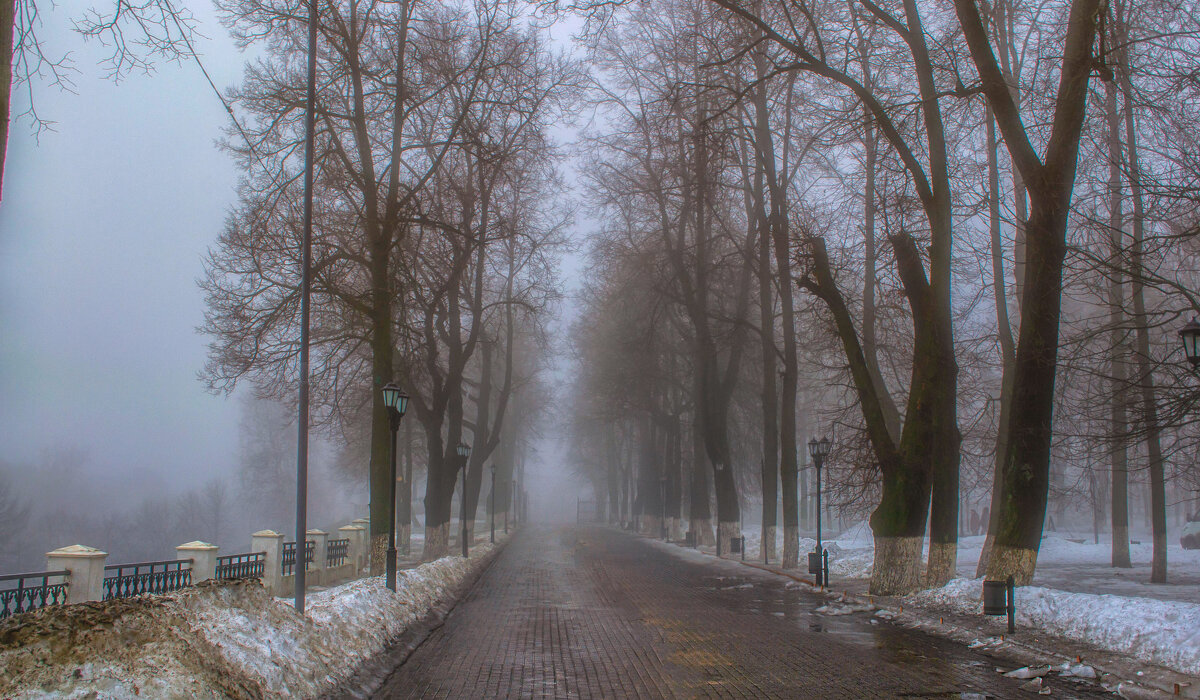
(492, 507)
(819, 449)
(507, 502)
(464, 451)
(1190, 335)
(662, 513)
(396, 402)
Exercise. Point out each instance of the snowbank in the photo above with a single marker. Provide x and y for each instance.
(218, 640)
(1162, 632)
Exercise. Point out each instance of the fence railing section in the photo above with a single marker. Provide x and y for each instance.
(336, 552)
(146, 577)
(237, 566)
(289, 556)
(24, 592)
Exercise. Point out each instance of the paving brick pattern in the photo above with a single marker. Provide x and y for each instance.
(594, 613)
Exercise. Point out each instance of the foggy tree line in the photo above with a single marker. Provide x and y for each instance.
(958, 239)
(437, 222)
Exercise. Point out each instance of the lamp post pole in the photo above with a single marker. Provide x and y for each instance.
(464, 451)
(396, 402)
(492, 506)
(819, 449)
(662, 513)
(507, 502)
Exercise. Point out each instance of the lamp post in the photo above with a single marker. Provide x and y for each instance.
(507, 502)
(1190, 335)
(396, 402)
(662, 513)
(819, 449)
(492, 508)
(464, 451)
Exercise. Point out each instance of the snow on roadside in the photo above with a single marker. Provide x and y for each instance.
(1166, 633)
(234, 640)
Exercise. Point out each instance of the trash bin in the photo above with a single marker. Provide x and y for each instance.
(995, 598)
(814, 562)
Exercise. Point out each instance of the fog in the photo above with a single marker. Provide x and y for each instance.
(106, 216)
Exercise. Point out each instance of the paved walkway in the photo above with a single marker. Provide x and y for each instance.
(595, 613)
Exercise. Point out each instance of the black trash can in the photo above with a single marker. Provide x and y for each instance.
(995, 598)
(814, 562)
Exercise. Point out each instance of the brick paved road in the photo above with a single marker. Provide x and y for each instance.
(595, 613)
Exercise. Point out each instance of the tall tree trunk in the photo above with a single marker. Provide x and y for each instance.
(763, 149)
(700, 505)
(404, 513)
(381, 435)
(1004, 332)
(1158, 489)
(613, 475)
(1027, 462)
(1119, 375)
(8, 18)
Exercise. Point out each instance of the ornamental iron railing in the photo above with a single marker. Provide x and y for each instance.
(146, 577)
(289, 556)
(21, 593)
(237, 566)
(336, 552)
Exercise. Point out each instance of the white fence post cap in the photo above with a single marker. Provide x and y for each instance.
(197, 545)
(266, 533)
(77, 550)
(315, 531)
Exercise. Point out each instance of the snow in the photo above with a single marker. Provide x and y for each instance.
(1076, 594)
(1162, 632)
(207, 640)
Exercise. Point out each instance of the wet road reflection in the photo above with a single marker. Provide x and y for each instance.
(597, 613)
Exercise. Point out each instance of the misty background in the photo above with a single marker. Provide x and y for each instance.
(107, 437)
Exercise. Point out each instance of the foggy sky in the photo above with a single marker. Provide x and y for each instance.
(103, 226)
(102, 229)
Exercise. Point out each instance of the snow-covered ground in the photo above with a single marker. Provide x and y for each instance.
(230, 640)
(1076, 592)
(1166, 633)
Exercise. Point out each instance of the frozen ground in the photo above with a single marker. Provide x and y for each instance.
(230, 640)
(1075, 594)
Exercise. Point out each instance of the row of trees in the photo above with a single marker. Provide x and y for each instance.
(437, 218)
(962, 237)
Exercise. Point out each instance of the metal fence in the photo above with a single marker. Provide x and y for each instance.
(237, 566)
(24, 592)
(289, 556)
(147, 577)
(336, 552)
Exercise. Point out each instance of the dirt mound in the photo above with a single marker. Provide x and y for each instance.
(121, 648)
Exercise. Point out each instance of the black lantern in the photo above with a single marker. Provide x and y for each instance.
(819, 449)
(1190, 335)
(395, 399)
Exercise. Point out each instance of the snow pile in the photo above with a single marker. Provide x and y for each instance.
(1162, 632)
(219, 640)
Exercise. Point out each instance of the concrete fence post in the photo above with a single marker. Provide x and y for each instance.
(270, 542)
(320, 563)
(365, 524)
(356, 552)
(86, 565)
(203, 556)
